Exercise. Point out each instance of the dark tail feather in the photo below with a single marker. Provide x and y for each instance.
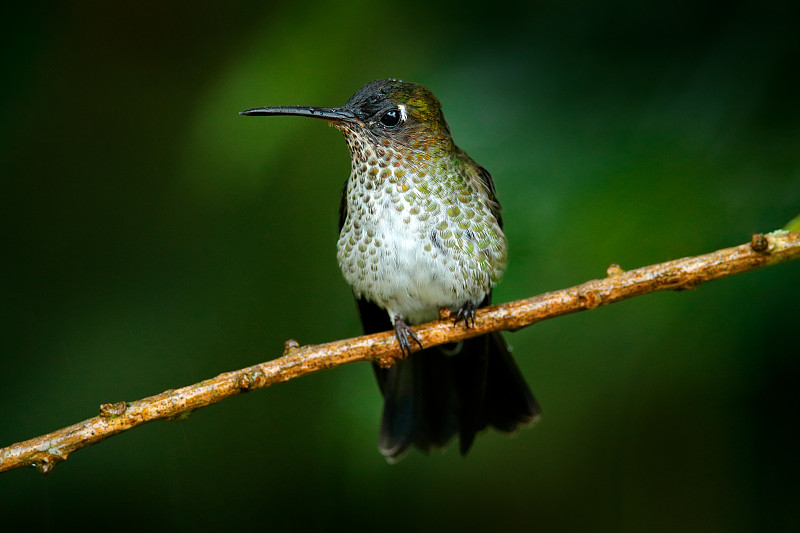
(419, 405)
(510, 402)
(431, 396)
(470, 370)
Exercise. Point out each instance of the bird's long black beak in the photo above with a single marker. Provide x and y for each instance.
(336, 114)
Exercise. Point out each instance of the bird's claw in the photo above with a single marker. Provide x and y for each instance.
(466, 313)
(404, 335)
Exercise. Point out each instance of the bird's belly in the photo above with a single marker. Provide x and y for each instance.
(404, 267)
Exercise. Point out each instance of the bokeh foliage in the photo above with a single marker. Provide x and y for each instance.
(152, 237)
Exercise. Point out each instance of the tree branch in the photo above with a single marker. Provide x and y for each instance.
(45, 451)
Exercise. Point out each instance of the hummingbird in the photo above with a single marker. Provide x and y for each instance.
(420, 229)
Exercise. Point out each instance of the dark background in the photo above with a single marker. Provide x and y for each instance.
(152, 238)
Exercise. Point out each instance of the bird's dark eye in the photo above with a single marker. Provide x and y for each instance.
(391, 118)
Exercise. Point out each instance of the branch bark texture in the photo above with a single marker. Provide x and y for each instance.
(45, 451)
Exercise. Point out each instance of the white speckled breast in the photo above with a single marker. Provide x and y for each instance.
(419, 233)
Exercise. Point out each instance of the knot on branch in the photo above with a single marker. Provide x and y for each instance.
(289, 346)
(108, 410)
(48, 462)
(759, 243)
(590, 299)
(387, 361)
(250, 380)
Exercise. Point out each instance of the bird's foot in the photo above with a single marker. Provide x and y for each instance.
(466, 313)
(404, 335)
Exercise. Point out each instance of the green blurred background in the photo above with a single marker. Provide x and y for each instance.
(153, 238)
